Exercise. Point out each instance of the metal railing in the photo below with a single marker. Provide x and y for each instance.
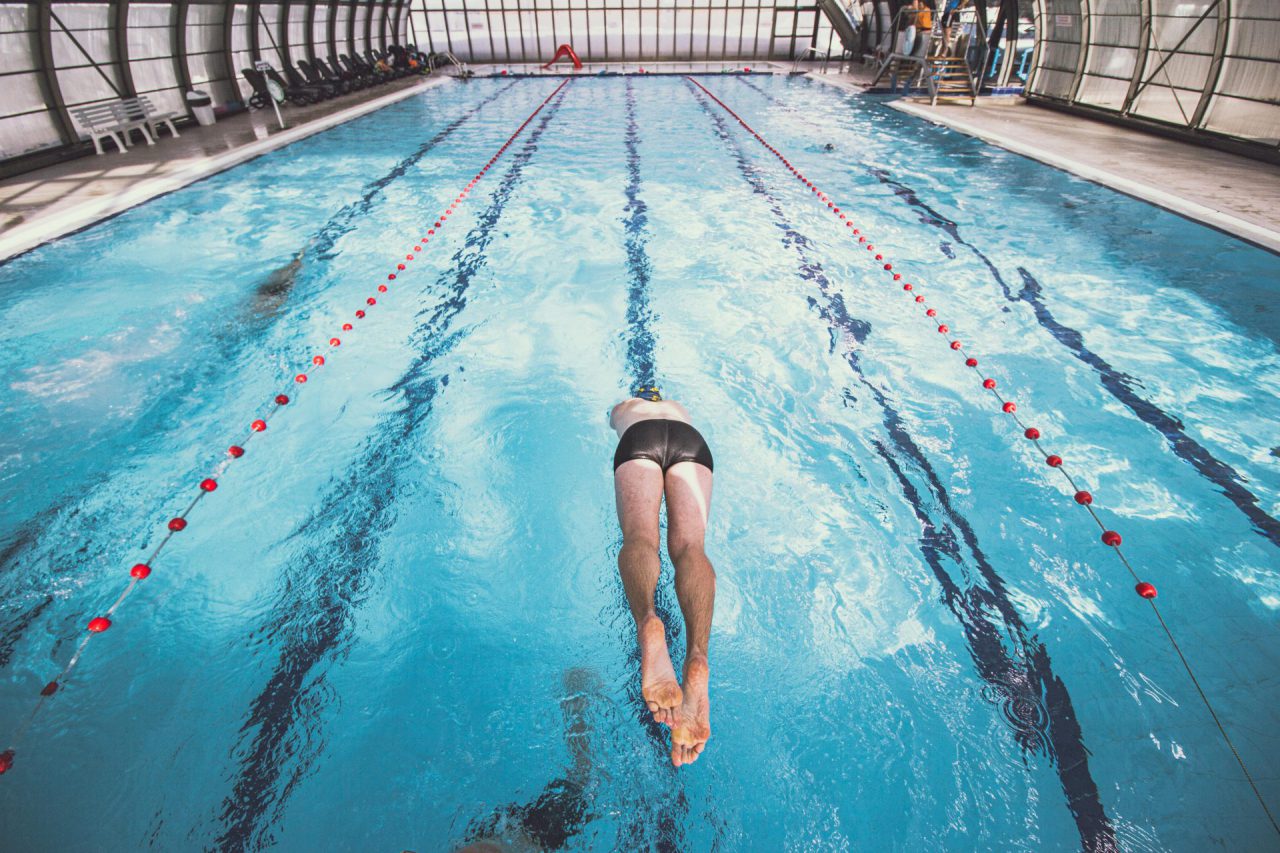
(816, 55)
(436, 60)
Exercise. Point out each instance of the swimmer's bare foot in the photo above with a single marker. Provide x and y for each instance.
(657, 676)
(692, 720)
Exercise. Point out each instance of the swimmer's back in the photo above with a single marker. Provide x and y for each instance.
(634, 410)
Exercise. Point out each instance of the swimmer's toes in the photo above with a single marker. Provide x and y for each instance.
(663, 697)
(658, 683)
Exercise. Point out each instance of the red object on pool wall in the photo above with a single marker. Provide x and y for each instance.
(561, 52)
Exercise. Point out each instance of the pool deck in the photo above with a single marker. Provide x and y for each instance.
(1225, 191)
(45, 204)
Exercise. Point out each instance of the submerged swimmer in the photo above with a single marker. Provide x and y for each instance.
(561, 811)
(661, 454)
(272, 292)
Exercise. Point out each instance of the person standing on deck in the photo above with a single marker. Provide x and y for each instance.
(661, 454)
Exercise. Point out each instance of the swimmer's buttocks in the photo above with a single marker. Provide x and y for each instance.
(663, 441)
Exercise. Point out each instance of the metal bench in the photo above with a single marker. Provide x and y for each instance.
(115, 119)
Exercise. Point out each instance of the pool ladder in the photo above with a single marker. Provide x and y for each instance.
(815, 54)
(447, 58)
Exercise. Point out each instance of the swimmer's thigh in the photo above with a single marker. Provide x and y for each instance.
(688, 491)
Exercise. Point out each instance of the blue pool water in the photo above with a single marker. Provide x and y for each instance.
(398, 625)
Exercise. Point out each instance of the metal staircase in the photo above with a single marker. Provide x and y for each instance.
(946, 77)
(950, 77)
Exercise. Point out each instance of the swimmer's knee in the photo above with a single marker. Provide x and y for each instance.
(682, 551)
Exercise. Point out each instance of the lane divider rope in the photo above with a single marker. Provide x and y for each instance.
(1082, 496)
(141, 571)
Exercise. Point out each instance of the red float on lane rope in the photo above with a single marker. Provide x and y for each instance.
(209, 484)
(140, 571)
(177, 524)
(1145, 590)
(99, 624)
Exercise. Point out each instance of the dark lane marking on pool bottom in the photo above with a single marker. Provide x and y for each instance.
(1118, 383)
(263, 309)
(640, 339)
(341, 223)
(661, 826)
(315, 611)
(1032, 700)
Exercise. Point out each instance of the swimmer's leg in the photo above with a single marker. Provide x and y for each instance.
(688, 490)
(638, 487)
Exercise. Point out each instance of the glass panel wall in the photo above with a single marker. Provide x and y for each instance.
(359, 30)
(342, 28)
(26, 122)
(1247, 99)
(526, 31)
(83, 55)
(1114, 27)
(241, 48)
(151, 51)
(297, 31)
(206, 60)
(1179, 58)
(1208, 67)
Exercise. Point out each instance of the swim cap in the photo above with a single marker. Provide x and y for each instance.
(648, 392)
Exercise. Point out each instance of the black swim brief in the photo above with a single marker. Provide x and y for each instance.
(663, 441)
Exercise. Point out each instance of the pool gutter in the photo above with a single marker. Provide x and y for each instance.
(23, 238)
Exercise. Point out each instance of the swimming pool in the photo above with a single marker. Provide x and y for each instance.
(397, 623)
